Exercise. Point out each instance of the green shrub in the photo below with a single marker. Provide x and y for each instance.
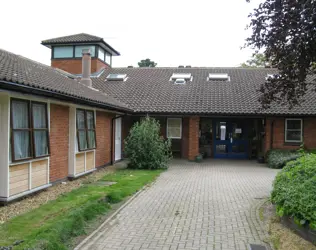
(277, 158)
(144, 146)
(294, 190)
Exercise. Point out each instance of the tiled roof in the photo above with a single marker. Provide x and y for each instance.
(77, 38)
(150, 90)
(25, 72)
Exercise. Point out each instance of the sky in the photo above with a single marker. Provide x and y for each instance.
(200, 33)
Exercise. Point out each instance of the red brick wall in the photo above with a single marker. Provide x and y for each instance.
(193, 137)
(74, 66)
(59, 145)
(309, 133)
(103, 135)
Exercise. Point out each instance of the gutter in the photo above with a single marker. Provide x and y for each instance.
(113, 135)
(48, 93)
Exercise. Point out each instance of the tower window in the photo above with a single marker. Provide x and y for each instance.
(78, 50)
(63, 52)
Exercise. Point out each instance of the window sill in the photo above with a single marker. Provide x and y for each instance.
(292, 143)
(28, 161)
(86, 151)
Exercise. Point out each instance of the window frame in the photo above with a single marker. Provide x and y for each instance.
(286, 129)
(96, 51)
(40, 129)
(180, 128)
(86, 130)
(30, 129)
(70, 46)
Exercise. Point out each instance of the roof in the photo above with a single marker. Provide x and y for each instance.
(149, 90)
(28, 73)
(78, 38)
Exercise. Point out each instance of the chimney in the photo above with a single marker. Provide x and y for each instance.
(86, 67)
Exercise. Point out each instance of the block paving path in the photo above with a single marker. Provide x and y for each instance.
(209, 205)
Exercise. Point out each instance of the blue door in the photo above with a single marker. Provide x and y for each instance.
(230, 139)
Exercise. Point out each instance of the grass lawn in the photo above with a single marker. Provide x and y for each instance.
(53, 225)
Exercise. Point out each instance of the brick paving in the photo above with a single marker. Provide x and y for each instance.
(209, 205)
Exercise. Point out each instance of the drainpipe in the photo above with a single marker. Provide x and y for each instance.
(271, 135)
(113, 135)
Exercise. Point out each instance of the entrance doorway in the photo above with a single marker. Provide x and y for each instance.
(230, 138)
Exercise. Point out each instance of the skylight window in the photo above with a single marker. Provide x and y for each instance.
(180, 81)
(218, 77)
(185, 76)
(116, 77)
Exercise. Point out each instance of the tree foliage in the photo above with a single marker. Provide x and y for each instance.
(285, 31)
(144, 146)
(147, 63)
(257, 60)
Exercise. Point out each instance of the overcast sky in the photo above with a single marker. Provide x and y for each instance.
(170, 32)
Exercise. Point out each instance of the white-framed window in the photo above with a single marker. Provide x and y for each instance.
(108, 58)
(78, 50)
(174, 128)
(293, 130)
(85, 129)
(101, 54)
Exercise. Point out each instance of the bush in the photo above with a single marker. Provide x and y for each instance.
(277, 158)
(145, 148)
(294, 190)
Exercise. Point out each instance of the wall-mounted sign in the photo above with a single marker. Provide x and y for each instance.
(238, 131)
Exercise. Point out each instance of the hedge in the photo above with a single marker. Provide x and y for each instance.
(294, 190)
(277, 158)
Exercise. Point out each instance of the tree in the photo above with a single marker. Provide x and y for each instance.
(257, 60)
(144, 146)
(285, 30)
(147, 63)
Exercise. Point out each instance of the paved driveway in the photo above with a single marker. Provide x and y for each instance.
(211, 205)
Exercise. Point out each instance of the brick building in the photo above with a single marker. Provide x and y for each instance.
(67, 120)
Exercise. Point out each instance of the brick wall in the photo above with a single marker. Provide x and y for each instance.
(74, 66)
(193, 137)
(59, 146)
(103, 136)
(309, 133)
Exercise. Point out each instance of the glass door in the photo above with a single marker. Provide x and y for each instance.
(230, 139)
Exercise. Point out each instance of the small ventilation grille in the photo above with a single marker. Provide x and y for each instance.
(218, 77)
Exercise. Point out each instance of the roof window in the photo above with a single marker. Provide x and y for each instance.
(116, 77)
(180, 81)
(218, 77)
(185, 76)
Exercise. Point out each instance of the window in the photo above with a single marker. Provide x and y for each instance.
(185, 76)
(101, 54)
(108, 58)
(85, 130)
(174, 128)
(29, 126)
(63, 52)
(218, 77)
(293, 130)
(78, 50)
(116, 77)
